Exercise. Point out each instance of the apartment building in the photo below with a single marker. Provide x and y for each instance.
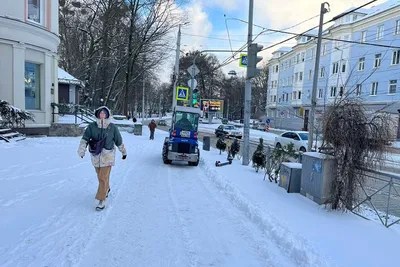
(349, 67)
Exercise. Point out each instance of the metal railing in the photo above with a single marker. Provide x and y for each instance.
(379, 195)
(80, 112)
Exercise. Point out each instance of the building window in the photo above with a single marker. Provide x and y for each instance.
(341, 91)
(335, 68)
(35, 10)
(324, 49)
(396, 57)
(297, 58)
(361, 64)
(312, 52)
(294, 94)
(299, 95)
(397, 29)
(303, 56)
(301, 76)
(374, 88)
(392, 86)
(276, 68)
(32, 86)
(322, 72)
(320, 93)
(379, 32)
(344, 67)
(363, 36)
(309, 74)
(358, 89)
(333, 91)
(377, 62)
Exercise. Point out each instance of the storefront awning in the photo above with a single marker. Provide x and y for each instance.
(66, 78)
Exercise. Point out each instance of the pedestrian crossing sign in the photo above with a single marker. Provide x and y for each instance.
(182, 93)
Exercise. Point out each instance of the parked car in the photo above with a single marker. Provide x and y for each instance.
(162, 123)
(228, 130)
(298, 138)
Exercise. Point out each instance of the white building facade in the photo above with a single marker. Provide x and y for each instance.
(360, 58)
(29, 42)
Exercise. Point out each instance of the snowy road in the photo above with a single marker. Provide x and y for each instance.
(156, 215)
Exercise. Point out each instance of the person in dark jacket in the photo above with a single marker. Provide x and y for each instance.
(102, 130)
(152, 127)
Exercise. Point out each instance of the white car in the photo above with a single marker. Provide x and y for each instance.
(298, 138)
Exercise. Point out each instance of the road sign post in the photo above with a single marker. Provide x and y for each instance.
(182, 93)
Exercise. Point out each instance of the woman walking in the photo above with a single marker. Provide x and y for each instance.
(102, 136)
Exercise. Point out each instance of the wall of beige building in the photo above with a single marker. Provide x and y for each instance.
(29, 42)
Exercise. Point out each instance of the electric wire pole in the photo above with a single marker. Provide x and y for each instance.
(315, 82)
(247, 94)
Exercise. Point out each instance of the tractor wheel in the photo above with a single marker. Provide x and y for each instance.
(165, 154)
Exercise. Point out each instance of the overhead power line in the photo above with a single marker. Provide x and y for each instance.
(333, 39)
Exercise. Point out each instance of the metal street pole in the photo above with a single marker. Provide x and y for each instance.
(178, 49)
(192, 84)
(247, 96)
(315, 82)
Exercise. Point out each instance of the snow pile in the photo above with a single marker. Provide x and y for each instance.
(294, 246)
(168, 215)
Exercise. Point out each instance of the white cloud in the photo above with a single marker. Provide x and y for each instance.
(199, 24)
(267, 13)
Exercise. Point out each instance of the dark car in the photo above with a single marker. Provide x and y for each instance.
(162, 123)
(228, 130)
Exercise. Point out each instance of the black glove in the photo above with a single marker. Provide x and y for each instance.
(124, 157)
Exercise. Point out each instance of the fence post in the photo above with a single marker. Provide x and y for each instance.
(388, 204)
(76, 114)
(268, 156)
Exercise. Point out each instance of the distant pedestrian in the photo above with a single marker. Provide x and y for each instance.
(152, 127)
(102, 136)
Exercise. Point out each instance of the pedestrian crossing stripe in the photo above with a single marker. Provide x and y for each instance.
(182, 93)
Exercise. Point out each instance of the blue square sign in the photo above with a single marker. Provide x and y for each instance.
(182, 93)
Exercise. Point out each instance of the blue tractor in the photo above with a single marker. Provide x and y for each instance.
(182, 144)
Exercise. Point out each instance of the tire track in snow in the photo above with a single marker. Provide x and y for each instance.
(137, 233)
(190, 250)
(115, 196)
(46, 172)
(191, 181)
(59, 239)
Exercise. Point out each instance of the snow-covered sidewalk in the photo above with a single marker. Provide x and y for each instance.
(168, 215)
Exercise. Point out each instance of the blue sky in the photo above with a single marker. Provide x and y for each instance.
(207, 23)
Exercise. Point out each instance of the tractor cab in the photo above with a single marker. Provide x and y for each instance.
(182, 144)
(185, 123)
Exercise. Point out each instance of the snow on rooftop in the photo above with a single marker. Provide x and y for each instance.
(65, 77)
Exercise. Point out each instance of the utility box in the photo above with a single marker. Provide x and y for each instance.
(206, 143)
(138, 129)
(317, 175)
(290, 176)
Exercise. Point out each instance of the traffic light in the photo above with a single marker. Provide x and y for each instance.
(195, 97)
(253, 59)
